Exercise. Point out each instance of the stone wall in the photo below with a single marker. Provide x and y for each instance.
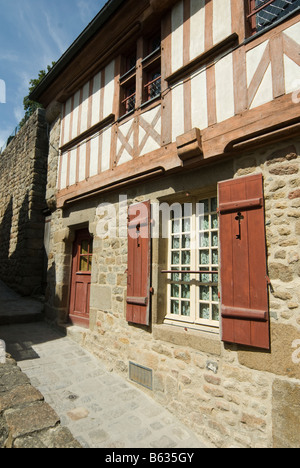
(23, 175)
(228, 394)
(26, 420)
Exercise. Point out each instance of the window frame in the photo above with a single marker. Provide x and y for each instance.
(147, 62)
(250, 16)
(193, 321)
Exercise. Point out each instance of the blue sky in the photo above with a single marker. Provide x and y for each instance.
(33, 33)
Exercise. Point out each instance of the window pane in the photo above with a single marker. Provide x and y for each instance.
(175, 258)
(214, 221)
(175, 276)
(204, 223)
(186, 242)
(214, 204)
(214, 239)
(214, 257)
(204, 293)
(204, 257)
(175, 226)
(204, 206)
(185, 291)
(204, 239)
(185, 309)
(186, 257)
(186, 276)
(204, 311)
(186, 225)
(175, 290)
(175, 242)
(83, 266)
(84, 247)
(215, 312)
(175, 307)
(215, 292)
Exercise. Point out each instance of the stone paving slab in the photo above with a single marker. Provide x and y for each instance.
(101, 409)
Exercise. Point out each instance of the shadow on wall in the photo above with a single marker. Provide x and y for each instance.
(22, 253)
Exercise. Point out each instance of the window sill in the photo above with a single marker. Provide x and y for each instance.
(184, 336)
(150, 102)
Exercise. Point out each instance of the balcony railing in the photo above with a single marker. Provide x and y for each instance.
(129, 103)
(264, 13)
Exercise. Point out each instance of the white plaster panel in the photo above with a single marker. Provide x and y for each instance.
(199, 100)
(265, 91)
(82, 162)
(124, 158)
(75, 114)
(221, 20)
(96, 99)
(224, 88)
(177, 36)
(63, 170)
(72, 174)
(197, 27)
(253, 57)
(109, 89)
(67, 121)
(177, 111)
(94, 155)
(106, 142)
(291, 75)
(84, 108)
(294, 32)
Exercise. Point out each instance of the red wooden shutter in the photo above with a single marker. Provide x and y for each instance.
(244, 281)
(139, 263)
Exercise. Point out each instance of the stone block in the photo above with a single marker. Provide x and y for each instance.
(26, 420)
(100, 297)
(286, 414)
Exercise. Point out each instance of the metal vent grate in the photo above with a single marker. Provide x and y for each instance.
(140, 375)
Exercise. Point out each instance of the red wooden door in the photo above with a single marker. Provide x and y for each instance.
(81, 278)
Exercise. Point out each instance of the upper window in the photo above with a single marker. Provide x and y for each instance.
(193, 294)
(145, 69)
(264, 13)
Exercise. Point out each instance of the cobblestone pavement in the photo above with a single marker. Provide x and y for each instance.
(101, 409)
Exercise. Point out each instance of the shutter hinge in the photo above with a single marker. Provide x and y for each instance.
(151, 290)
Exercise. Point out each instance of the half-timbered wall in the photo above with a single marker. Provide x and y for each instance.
(239, 78)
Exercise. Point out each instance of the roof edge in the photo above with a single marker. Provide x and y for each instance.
(100, 19)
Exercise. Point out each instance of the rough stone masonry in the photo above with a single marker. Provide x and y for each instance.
(26, 420)
(23, 175)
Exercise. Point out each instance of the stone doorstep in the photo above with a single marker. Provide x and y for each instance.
(26, 420)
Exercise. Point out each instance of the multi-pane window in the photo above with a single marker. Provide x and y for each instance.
(194, 258)
(86, 256)
(143, 68)
(264, 13)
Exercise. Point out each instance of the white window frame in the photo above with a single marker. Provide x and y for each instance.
(193, 320)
